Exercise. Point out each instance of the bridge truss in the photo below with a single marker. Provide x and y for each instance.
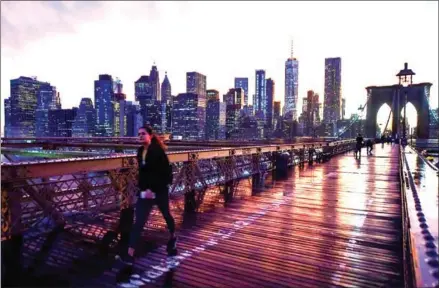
(36, 196)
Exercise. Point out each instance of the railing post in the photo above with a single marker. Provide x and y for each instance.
(281, 164)
(319, 155)
(256, 170)
(12, 238)
(302, 156)
(229, 187)
(123, 181)
(326, 153)
(274, 158)
(292, 156)
(310, 155)
(190, 202)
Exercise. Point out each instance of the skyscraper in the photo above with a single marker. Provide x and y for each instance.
(247, 110)
(311, 112)
(332, 108)
(166, 90)
(61, 122)
(276, 114)
(196, 84)
(260, 97)
(248, 128)
(24, 103)
(186, 114)
(134, 118)
(235, 96)
(243, 83)
(153, 114)
(234, 100)
(155, 83)
(166, 115)
(166, 104)
(56, 104)
(143, 93)
(46, 100)
(270, 99)
(85, 120)
(276, 109)
(212, 94)
(7, 107)
(143, 89)
(150, 107)
(119, 110)
(215, 120)
(291, 87)
(104, 96)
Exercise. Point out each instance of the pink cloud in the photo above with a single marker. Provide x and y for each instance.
(25, 22)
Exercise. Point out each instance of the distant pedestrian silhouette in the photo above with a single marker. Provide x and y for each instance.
(359, 145)
(369, 146)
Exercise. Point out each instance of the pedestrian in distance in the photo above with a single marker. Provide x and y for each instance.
(369, 146)
(358, 146)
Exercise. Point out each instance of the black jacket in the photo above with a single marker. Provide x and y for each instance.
(154, 173)
(360, 141)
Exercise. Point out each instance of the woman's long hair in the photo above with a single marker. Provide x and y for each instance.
(154, 137)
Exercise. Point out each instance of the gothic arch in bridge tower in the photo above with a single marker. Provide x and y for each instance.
(394, 96)
(412, 114)
(383, 118)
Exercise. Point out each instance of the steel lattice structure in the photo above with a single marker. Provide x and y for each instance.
(38, 196)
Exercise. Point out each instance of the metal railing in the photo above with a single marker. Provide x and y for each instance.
(408, 265)
(38, 195)
(420, 258)
(129, 142)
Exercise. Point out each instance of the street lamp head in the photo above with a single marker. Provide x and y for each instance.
(405, 76)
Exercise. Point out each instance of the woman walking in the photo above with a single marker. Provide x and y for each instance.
(155, 174)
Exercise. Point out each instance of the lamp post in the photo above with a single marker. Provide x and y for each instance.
(405, 77)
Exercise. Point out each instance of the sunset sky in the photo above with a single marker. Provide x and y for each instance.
(70, 43)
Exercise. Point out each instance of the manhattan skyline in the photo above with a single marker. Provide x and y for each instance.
(70, 43)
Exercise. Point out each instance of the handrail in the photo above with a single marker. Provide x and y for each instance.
(420, 252)
(98, 163)
(408, 264)
(135, 140)
(130, 142)
(423, 158)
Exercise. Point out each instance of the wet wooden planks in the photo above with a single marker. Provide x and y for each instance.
(335, 224)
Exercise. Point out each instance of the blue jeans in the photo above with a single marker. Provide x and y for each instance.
(143, 209)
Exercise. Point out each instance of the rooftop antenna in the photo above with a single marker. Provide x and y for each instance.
(292, 50)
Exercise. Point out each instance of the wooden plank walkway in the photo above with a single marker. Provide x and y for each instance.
(329, 225)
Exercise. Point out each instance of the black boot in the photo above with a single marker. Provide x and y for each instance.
(172, 247)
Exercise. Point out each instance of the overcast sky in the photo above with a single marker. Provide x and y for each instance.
(70, 43)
